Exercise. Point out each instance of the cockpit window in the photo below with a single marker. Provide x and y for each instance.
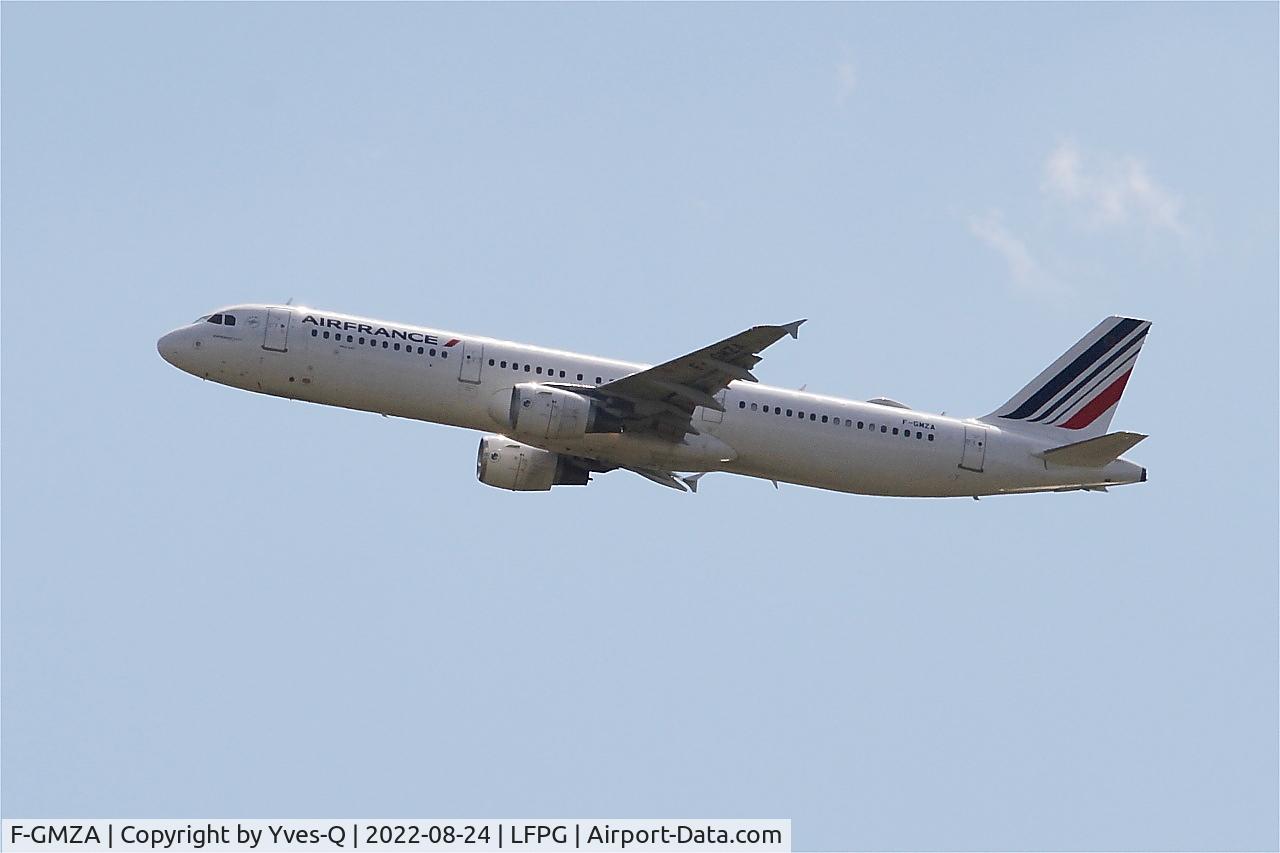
(216, 319)
(228, 320)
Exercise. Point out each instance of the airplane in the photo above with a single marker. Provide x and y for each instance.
(555, 418)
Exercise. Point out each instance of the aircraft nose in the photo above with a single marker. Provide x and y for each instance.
(167, 346)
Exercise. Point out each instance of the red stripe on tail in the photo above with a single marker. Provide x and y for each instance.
(1098, 404)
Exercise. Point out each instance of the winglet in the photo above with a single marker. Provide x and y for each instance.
(793, 329)
(692, 481)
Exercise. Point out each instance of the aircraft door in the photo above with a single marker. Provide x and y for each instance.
(975, 448)
(472, 358)
(714, 416)
(277, 331)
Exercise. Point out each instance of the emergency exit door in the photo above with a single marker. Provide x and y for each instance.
(714, 416)
(975, 448)
(472, 356)
(277, 331)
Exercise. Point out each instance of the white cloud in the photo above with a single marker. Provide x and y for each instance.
(1024, 270)
(1062, 171)
(846, 80)
(1112, 192)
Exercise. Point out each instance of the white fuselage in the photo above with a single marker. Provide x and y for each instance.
(462, 380)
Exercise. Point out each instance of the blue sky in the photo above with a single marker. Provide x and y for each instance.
(221, 604)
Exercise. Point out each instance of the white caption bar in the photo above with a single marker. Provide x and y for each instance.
(396, 836)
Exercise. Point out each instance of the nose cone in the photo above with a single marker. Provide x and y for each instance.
(168, 348)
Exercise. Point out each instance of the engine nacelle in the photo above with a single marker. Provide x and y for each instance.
(508, 464)
(536, 411)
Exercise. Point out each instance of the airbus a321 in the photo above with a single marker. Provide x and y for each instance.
(555, 418)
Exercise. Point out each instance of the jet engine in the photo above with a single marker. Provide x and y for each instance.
(538, 411)
(508, 464)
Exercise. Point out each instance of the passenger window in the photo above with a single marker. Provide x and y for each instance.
(349, 339)
(788, 413)
(562, 374)
(502, 364)
(314, 333)
(848, 422)
(824, 419)
(895, 430)
(384, 344)
(432, 352)
(538, 371)
(326, 336)
(579, 377)
(859, 424)
(598, 380)
(419, 350)
(397, 348)
(526, 368)
(883, 428)
(491, 362)
(444, 353)
(800, 415)
(931, 436)
(812, 416)
(919, 435)
(753, 407)
(742, 404)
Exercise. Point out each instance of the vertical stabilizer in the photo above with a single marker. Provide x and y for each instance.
(1076, 396)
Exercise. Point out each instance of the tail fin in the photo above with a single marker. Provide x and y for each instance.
(1076, 396)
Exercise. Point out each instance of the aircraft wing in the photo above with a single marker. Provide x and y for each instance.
(669, 478)
(663, 397)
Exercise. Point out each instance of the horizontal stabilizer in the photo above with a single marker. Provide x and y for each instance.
(1093, 453)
